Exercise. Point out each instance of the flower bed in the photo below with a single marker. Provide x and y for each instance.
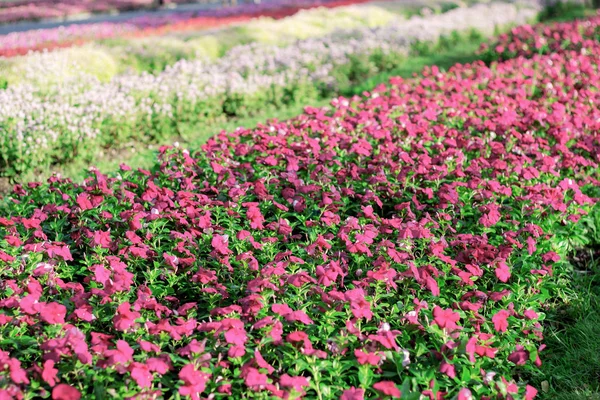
(15, 11)
(56, 123)
(543, 39)
(20, 43)
(399, 245)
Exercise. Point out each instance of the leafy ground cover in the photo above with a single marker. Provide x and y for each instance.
(408, 243)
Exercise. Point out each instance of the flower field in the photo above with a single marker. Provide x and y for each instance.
(25, 10)
(54, 115)
(21, 43)
(403, 244)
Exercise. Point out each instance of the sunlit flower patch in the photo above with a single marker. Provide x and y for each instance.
(397, 246)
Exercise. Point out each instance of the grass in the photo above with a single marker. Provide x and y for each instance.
(571, 360)
(143, 156)
(565, 11)
(460, 53)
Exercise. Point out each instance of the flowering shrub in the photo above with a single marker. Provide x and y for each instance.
(400, 245)
(528, 40)
(58, 123)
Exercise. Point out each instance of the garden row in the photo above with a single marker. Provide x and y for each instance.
(138, 51)
(57, 123)
(20, 43)
(27, 10)
(405, 244)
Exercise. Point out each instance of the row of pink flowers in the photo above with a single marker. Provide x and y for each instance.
(396, 245)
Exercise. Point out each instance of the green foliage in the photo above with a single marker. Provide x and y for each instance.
(563, 11)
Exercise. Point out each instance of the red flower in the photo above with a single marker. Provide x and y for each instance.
(446, 318)
(388, 388)
(65, 392)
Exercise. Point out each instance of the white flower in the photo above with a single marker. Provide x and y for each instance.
(405, 358)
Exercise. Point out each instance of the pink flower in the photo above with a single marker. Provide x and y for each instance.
(49, 373)
(124, 317)
(83, 200)
(446, 318)
(359, 306)
(141, 374)
(353, 394)
(520, 356)
(102, 239)
(261, 362)
(502, 271)
(194, 381)
(53, 313)
(60, 250)
(65, 392)
(530, 314)
(220, 244)
(121, 355)
(255, 217)
(464, 394)
(290, 315)
(296, 382)
(388, 388)
(254, 379)
(491, 215)
(530, 392)
(366, 357)
(500, 320)
(448, 369)
(234, 331)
